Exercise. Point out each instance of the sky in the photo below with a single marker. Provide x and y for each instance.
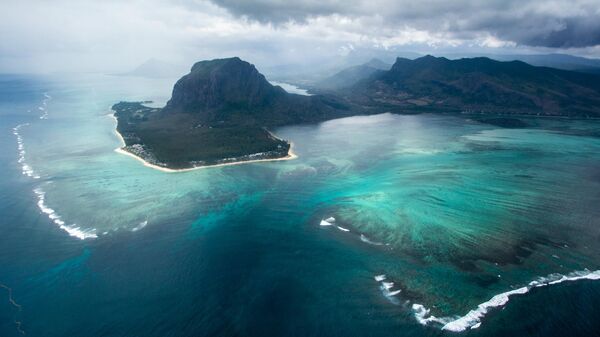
(40, 36)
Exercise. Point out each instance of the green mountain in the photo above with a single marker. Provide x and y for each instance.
(218, 113)
(479, 85)
(558, 61)
(233, 92)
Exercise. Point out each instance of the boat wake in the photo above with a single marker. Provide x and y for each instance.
(472, 320)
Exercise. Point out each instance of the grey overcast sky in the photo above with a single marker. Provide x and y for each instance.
(111, 35)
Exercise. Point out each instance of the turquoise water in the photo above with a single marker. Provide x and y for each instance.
(452, 211)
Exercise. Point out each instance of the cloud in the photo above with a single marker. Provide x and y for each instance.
(281, 11)
(111, 35)
(555, 24)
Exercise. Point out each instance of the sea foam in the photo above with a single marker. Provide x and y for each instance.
(43, 107)
(325, 222)
(26, 169)
(72, 230)
(472, 320)
(386, 289)
(365, 239)
(140, 226)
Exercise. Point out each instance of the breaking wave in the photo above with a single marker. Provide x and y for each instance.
(365, 239)
(140, 226)
(387, 289)
(26, 169)
(472, 320)
(44, 106)
(73, 229)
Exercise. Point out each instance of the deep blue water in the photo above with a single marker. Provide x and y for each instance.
(238, 251)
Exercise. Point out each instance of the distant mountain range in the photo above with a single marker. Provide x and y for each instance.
(478, 85)
(153, 68)
(350, 76)
(559, 61)
(311, 75)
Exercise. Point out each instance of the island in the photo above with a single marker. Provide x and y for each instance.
(222, 111)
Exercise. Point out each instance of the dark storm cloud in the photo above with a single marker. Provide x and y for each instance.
(275, 11)
(555, 24)
(577, 32)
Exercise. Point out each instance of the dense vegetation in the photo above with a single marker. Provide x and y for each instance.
(181, 140)
(479, 85)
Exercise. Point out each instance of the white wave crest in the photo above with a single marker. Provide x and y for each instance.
(43, 107)
(422, 316)
(72, 230)
(365, 239)
(140, 226)
(379, 278)
(26, 169)
(325, 223)
(389, 294)
(386, 289)
(472, 320)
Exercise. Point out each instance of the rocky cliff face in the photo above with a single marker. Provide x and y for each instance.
(222, 84)
(232, 91)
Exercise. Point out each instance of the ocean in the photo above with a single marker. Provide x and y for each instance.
(385, 225)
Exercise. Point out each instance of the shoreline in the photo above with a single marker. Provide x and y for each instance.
(291, 155)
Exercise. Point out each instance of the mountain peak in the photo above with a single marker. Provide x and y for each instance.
(430, 59)
(221, 84)
(218, 63)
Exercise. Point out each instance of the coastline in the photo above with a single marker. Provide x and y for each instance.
(291, 155)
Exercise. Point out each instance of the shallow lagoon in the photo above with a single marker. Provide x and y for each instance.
(451, 210)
